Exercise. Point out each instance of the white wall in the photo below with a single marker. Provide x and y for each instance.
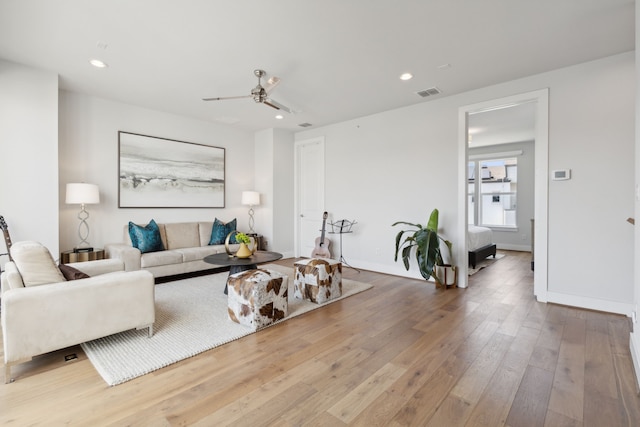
(388, 167)
(283, 198)
(592, 133)
(274, 180)
(89, 153)
(401, 164)
(29, 152)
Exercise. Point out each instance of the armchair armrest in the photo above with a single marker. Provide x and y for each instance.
(97, 267)
(11, 277)
(128, 254)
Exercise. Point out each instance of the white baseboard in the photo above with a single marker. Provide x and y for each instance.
(511, 247)
(590, 303)
(634, 346)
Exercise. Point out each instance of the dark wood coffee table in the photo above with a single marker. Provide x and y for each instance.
(237, 265)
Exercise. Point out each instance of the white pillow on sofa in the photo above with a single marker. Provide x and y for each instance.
(35, 264)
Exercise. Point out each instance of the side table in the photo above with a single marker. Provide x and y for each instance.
(71, 256)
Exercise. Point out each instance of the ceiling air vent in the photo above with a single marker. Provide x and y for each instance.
(429, 92)
(305, 125)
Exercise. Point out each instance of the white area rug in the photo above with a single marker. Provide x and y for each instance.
(484, 264)
(191, 317)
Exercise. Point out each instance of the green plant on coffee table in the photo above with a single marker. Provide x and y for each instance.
(426, 241)
(242, 238)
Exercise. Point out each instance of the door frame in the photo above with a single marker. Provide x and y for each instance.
(541, 97)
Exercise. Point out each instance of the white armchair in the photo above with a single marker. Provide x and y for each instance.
(40, 315)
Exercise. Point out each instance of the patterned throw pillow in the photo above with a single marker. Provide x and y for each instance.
(146, 238)
(220, 231)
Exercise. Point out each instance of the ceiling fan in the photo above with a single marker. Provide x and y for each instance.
(260, 94)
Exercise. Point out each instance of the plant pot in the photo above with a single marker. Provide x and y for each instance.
(243, 251)
(446, 275)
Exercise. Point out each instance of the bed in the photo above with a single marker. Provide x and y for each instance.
(479, 244)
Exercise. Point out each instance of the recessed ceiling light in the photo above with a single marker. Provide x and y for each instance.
(406, 76)
(444, 66)
(97, 63)
(279, 117)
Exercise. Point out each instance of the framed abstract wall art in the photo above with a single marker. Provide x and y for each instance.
(164, 173)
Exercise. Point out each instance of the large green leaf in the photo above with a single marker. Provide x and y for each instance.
(428, 252)
(433, 221)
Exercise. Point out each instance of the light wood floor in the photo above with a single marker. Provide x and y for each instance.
(402, 353)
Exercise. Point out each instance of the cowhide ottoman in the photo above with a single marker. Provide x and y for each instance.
(317, 280)
(257, 298)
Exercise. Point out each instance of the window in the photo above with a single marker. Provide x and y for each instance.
(494, 184)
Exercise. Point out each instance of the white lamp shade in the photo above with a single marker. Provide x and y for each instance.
(251, 198)
(81, 193)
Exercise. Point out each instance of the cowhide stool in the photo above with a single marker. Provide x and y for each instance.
(257, 298)
(317, 279)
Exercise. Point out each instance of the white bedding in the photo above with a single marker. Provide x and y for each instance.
(478, 237)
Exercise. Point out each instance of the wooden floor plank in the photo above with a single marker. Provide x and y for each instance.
(530, 405)
(567, 395)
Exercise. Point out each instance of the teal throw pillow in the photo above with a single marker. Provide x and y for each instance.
(220, 231)
(146, 238)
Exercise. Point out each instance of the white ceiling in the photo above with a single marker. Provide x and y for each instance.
(515, 123)
(338, 59)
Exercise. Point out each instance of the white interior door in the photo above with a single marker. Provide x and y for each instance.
(309, 185)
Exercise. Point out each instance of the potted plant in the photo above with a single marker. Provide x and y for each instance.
(428, 255)
(244, 240)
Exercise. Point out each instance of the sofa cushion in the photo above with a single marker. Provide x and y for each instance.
(35, 264)
(71, 273)
(198, 253)
(146, 238)
(182, 235)
(155, 259)
(220, 231)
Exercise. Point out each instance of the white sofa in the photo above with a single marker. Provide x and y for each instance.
(186, 244)
(43, 312)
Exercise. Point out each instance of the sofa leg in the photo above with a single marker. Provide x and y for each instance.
(150, 331)
(7, 374)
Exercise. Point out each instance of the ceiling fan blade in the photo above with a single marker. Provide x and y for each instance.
(278, 106)
(226, 97)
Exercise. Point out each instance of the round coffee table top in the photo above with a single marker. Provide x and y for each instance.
(258, 257)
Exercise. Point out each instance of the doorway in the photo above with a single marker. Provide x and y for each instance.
(540, 100)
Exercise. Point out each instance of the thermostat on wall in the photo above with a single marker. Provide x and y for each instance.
(561, 174)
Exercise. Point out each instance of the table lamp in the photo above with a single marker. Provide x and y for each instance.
(251, 198)
(82, 194)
